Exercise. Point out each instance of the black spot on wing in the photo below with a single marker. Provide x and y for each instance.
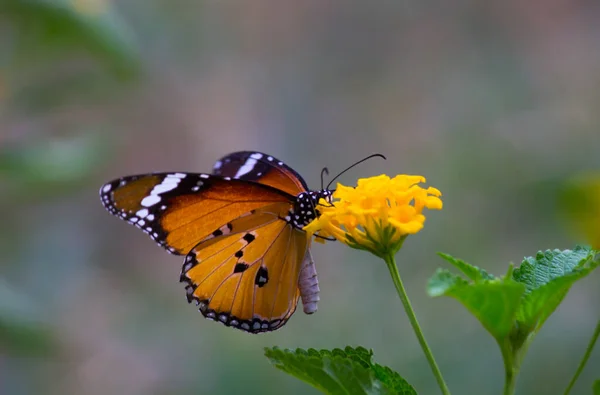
(262, 277)
(249, 237)
(240, 267)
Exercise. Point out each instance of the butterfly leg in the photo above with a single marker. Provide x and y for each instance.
(308, 283)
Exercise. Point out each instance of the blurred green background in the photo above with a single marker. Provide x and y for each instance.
(496, 103)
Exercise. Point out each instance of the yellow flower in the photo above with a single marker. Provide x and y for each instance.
(378, 214)
(581, 204)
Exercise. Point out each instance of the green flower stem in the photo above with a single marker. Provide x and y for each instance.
(393, 268)
(513, 347)
(512, 366)
(510, 376)
(586, 356)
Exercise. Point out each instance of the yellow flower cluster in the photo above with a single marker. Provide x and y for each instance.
(378, 214)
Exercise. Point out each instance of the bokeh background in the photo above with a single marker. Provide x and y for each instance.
(496, 103)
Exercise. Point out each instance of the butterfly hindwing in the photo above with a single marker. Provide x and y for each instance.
(262, 168)
(248, 279)
(177, 210)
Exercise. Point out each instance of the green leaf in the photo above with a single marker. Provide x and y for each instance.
(494, 302)
(547, 278)
(472, 272)
(596, 387)
(348, 371)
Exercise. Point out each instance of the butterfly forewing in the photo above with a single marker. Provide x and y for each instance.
(262, 168)
(178, 210)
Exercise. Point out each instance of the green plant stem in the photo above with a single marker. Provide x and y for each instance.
(585, 358)
(393, 268)
(511, 369)
(512, 354)
(510, 381)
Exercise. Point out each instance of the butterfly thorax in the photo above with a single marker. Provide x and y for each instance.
(305, 207)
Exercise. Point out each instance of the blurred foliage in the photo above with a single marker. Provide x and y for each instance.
(53, 53)
(49, 168)
(20, 334)
(59, 52)
(42, 30)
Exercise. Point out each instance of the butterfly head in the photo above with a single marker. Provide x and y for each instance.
(305, 207)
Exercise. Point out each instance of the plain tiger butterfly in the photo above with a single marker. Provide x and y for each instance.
(247, 259)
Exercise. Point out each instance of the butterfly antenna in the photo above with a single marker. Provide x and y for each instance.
(323, 172)
(353, 165)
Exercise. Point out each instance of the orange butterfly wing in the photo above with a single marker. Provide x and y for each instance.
(177, 210)
(248, 279)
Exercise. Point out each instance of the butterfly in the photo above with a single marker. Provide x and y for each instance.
(247, 259)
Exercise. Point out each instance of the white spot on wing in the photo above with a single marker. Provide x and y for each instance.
(168, 184)
(150, 200)
(165, 186)
(106, 188)
(218, 165)
(256, 156)
(142, 213)
(246, 168)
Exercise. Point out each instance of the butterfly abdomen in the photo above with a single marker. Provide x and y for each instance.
(308, 283)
